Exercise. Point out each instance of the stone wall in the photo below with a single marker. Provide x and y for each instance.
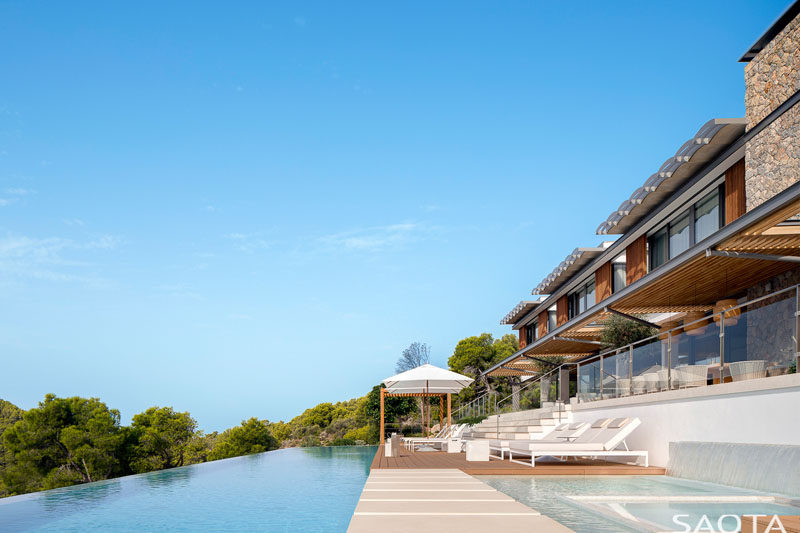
(770, 322)
(773, 75)
(772, 160)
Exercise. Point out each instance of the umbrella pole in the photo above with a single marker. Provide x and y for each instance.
(428, 399)
(449, 422)
(382, 393)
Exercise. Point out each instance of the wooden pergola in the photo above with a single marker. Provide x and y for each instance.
(426, 421)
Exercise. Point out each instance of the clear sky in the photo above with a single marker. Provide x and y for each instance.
(247, 209)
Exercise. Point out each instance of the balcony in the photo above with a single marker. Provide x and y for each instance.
(752, 340)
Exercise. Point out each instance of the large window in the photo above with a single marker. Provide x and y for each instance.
(528, 335)
(657, 245)
(551, 320)
(686, 229)
(619, 276)
(580, 300)
(706, 216)
(679, 235)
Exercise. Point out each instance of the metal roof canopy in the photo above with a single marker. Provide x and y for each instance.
(713, 137)
(774, 29)
(574, 262)
(520, 310)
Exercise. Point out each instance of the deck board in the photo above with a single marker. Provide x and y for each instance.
(411, 459)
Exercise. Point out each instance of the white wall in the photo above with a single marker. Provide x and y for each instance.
(763, 411)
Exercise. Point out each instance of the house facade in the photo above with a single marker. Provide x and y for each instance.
(707, 254)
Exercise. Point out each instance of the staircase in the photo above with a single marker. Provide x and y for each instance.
(522, 425)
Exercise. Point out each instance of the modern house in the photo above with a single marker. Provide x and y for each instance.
(708, 252)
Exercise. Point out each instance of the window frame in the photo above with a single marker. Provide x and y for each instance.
(678, 215)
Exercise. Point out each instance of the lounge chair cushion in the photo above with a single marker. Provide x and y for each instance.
(601, 423)
(576, 425)
(618, 423)
(555, 446)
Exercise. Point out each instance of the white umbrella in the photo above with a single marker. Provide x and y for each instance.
(426, 379)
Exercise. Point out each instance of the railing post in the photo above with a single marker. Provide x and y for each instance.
(721, 347)
(630, 371)
(796, 328)
(669, 360)
(601, 376)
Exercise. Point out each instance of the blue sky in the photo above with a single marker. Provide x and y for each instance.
(245, 210)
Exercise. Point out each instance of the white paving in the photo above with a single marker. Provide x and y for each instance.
(441, 500)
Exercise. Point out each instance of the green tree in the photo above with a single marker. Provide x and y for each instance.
(619, 331)
(252, 436)
(9, 415)
(62, 442)
(320, 415)
(161, 435)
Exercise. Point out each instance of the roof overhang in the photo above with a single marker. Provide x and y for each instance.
(775, 28)
(572, 264)
(520, 310)
(709, 141)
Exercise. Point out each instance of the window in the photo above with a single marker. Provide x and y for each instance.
(687, 229)
(535, 328)
(528, 334)
(679, 236)
(706, 216)
(580, 300)
(619, 276)
(658, 248)
(551, 320)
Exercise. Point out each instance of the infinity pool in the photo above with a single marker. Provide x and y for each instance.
(297, 489)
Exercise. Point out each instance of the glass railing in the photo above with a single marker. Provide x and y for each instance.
(760, 338)
(755, 339)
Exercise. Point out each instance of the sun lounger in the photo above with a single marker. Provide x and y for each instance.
(442, 433)
(562, 433)
(456, 433)
(602, 439)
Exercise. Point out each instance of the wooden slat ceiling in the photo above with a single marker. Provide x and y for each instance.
(704, 280)
(763, 244)
(653, 309)
(772, 220)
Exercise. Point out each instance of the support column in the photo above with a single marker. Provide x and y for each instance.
(449, 420)
(441, 411)
(382, 393)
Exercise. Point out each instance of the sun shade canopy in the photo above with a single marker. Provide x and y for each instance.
(426, 379)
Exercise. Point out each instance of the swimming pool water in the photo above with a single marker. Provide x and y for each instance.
(560, 498)
(296, 489)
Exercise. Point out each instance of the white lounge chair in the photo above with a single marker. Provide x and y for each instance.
(562, 433)
(602, 439)
(442, 433)
(456, 433)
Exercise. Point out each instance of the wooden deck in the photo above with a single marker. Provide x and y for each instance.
(409, 459)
